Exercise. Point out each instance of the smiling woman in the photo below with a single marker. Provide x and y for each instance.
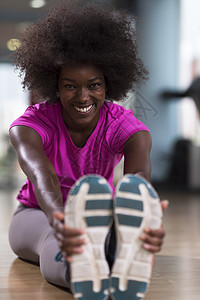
(76, 58)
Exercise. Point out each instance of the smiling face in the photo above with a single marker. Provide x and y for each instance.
(82, 93)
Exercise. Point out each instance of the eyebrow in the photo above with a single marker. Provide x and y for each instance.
(73, 80)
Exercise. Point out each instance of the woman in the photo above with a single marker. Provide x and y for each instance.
(74, 59)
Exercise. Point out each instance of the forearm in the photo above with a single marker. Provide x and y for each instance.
(137, 155)
(47, 187)
(48, 193)
(141, 170)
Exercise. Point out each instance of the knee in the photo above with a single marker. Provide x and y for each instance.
(14, 240)
(19, 246)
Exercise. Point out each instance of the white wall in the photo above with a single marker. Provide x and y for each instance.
(189, 66)
(13, 101)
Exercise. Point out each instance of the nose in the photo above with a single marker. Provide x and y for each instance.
(83, 94)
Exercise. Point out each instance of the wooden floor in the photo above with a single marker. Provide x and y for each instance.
(176, 274)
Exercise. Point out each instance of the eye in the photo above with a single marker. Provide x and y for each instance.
(95, 85)
(69, 86)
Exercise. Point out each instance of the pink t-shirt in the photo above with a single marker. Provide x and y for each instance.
(101, 153)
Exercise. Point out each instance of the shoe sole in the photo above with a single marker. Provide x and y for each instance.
(90, 206)
(136, 206)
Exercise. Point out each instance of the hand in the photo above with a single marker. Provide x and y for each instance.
(153, 238)
(69, 239)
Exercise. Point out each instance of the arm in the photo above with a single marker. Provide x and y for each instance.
(137, 161)
(38, 168)
(137, 154)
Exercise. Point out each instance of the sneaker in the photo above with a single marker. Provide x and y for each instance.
(90, 206)
(136, 206)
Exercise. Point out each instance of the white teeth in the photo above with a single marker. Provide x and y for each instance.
(83, 109)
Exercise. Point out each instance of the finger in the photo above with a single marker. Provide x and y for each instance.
(73, 242)
(71, 251)
(58, 226)
(66, 231)
(69, 258)
(59, 237)
(154, 241)
(164, 204)
(70, 232)
(160, 233)
(59, 216)
(152, 248)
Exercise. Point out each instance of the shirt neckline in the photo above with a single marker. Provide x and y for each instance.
(91, 135)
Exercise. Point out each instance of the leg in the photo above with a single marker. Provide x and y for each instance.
(32, 239)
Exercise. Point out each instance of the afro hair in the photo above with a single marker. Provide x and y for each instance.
(86, 33)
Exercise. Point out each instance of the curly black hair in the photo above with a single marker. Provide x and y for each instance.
(79, 32)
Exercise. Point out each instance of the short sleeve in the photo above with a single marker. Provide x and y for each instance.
(36, 120)
(121, 129)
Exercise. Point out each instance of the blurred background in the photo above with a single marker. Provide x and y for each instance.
(169, 44)
(168, 33)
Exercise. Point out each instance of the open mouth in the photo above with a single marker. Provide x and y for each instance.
(84, 109)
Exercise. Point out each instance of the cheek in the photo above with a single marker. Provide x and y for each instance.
(64, 99)
(101, 99)
(101, 94)
(65, 95)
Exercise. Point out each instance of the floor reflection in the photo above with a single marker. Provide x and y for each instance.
(25, 279)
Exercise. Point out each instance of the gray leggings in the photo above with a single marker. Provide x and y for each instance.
(32, 239)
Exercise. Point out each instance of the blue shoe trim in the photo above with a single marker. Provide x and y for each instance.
(86, 289)
(134, 287)
(95, 186)
(99, 204)
(129, 203)
(99, 221)
(134, 187)
(127, 220)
